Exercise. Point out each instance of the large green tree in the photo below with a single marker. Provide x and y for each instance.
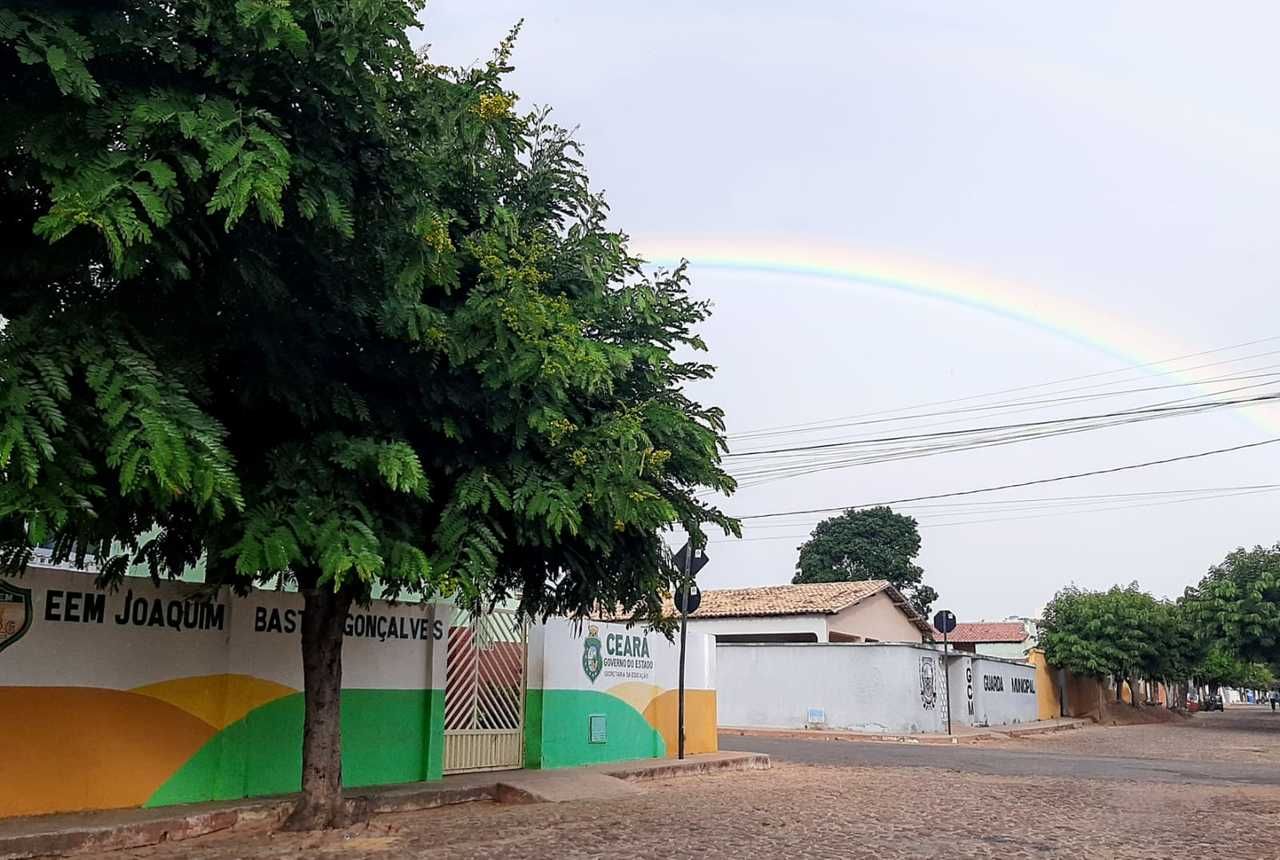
(281, 293)
(1237, 604)
(1107, 634)
(870, 543)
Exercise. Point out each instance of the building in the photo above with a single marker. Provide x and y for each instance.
(1009, 639)
(864, 611)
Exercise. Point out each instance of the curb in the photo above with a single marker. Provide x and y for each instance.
(810, 735)
(177, 826)
(691, 767)
(1031, 731)
(172, 828)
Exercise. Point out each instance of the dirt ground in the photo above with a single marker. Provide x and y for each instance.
(813, 812)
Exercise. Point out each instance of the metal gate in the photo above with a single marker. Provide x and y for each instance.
(484, 693)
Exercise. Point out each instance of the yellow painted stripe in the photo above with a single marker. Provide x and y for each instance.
(218, 700)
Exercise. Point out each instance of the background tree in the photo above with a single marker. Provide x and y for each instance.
(1237, 605)
(871, 543)
(282, 294)
(1105, 634)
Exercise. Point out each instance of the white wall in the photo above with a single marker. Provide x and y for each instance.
(860, 687)
(146, 633)
(556, 658)
(1007, 650)
(1004, 692)
(815, 624)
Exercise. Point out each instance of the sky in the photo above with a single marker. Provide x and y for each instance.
(899, 203)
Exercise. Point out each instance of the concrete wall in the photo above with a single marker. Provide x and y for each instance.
(628, 679)
(1004, 691)
(875, 618)
(1048, 698)
(152, 695)
(862, 687)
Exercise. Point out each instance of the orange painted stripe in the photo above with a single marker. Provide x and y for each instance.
(74, 748)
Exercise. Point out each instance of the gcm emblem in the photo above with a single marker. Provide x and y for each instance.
(968, 686)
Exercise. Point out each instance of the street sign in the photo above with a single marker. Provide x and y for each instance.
(683, 564)
(688, 563)
(695, 599)
(944, 622)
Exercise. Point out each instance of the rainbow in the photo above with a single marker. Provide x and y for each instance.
(1099, 330)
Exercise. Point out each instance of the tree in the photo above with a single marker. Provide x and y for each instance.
(284, 295)
(1104, 633)
(1237, 604)
(871, 543)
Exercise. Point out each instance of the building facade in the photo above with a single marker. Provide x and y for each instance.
(864, 611)
(154, 695)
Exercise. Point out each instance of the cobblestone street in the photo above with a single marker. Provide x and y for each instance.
(1247, 734)
(803, 810)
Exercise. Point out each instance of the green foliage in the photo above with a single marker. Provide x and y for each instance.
(872, 543)
(1237, 605)
(282, 294)
(1122, 632)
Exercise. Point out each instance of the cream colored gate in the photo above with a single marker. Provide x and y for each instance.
(484, 693)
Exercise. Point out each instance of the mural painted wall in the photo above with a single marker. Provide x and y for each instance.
(627, 680)
(154, 695)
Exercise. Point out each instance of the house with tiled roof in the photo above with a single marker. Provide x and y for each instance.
(864, 611)
(1010, 639)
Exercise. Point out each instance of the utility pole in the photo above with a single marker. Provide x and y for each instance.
(946, 677)
(684, 629)
(946, 622)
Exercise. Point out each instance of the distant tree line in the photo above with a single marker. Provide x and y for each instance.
(1223, 632)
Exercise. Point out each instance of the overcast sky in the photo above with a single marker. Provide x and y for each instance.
(1115, 160)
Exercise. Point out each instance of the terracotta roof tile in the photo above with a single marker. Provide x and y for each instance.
(824, 598)
(986, 631)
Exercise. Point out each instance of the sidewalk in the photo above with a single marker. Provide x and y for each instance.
(113, 830)
(959, 734)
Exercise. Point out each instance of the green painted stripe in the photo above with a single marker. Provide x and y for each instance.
(533, 728)
(565, 736)
(385, 740)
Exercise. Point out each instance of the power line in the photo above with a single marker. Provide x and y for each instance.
(1066, 504)
(1027, 405)
(1016, 485)
(786, 427)
(1155, 410)
(937, 525)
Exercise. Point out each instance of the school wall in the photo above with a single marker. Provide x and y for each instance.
(855, 686)
(149, 696)
(626, 676)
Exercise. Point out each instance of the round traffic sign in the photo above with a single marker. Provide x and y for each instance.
(695, 598)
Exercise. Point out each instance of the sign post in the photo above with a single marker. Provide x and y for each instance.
(946, 622)
(687, 599)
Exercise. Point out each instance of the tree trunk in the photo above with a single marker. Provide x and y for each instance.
(323, 620)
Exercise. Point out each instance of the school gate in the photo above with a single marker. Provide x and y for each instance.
(484, 693)
(154, 695)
